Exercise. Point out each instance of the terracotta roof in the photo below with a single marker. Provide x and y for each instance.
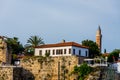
(105, 54)
(1, 36)
(61, 45)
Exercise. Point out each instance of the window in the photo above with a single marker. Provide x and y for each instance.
(49, 51)
(79, 52)
(40, 52)
(86, 53)
(64, 51)
(57, 52)
(53, 52)
(61, 51)
(74, 51)
(69, 51)
(45, 51)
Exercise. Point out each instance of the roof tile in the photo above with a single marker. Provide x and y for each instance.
(61, 45)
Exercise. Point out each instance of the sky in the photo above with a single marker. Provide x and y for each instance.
(55, 20)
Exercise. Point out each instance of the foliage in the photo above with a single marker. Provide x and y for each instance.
(47, 54)
(93, 48)
(114, 55)
(29, 50)
(82, 71)
(33, 41)
(45, 59)
(14, 47)
(14, 56)
(105, 51)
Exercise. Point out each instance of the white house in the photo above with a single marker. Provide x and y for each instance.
(62, 49)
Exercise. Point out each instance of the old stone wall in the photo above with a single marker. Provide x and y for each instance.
(53, 68)
(3, 51)
(41, 68)
(10, 73)
(6, 73)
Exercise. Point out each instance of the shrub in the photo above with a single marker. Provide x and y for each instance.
(82, 70)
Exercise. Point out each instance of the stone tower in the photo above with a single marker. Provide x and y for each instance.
(99, 38)
(3, 50)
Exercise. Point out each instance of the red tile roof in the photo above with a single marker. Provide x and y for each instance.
(105, 54)
(1, 36)
(61, 45)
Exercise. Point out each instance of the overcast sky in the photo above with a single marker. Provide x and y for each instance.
(54, 20)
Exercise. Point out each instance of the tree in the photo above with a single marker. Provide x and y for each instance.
(33, 41)
(114, 55)
(93, 48)
(14, 47)
(105, 51)
(82, 71)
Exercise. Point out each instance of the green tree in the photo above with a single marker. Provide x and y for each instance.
(29, 50)
(33, 41)
(93, 48)
(14, 47)
(114, 55)
(82, 71)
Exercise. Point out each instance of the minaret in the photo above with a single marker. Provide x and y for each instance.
(99, 38)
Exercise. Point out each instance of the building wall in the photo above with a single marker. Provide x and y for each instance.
(51, 51)
(83, 51)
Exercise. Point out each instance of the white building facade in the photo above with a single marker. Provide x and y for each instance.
(62, 49)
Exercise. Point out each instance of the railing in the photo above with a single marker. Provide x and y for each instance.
(8, 65)
(94, 65)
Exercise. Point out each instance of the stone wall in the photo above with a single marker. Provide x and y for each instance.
(4, 56)
(6, 73)
(10, 73)
(49, 68)
(41, 68)
(3, 51)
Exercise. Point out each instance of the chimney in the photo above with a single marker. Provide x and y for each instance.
(63, 41)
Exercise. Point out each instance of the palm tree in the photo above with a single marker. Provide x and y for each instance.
(35, 41)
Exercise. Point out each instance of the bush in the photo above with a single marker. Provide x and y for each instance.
(82, 71)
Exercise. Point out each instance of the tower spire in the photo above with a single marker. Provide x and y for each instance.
(99, 38)
(99, 28)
